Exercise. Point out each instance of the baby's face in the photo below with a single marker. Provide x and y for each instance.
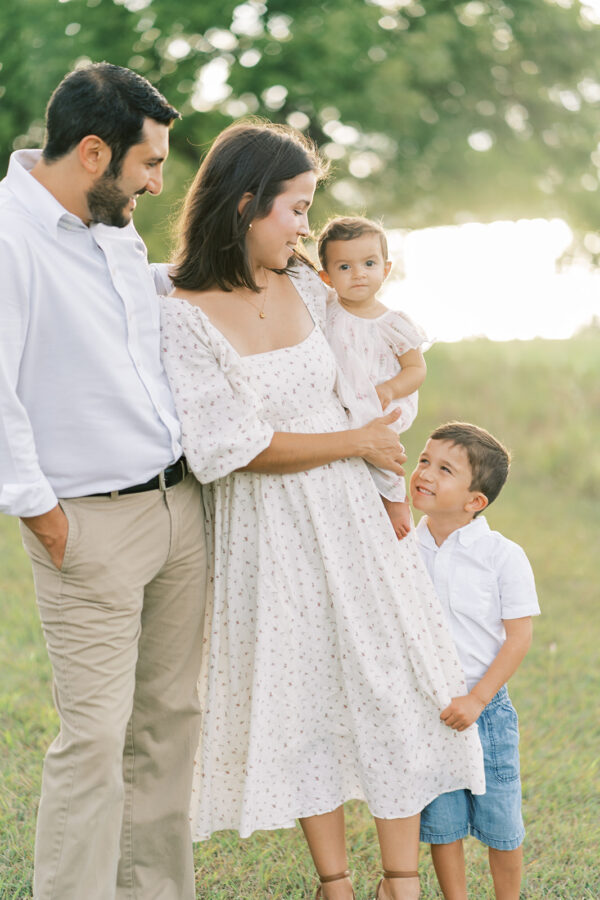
(356, 268)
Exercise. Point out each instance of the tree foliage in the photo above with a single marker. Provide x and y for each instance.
(432, 112)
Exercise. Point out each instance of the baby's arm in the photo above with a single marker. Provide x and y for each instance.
(463, 711)
(410, 377)
(399, 513)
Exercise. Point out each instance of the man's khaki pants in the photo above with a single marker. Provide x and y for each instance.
(123, 625)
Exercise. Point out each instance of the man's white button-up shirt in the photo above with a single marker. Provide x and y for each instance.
(85, 403)
(480, 578)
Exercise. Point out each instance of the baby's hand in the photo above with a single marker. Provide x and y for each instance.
(462, 712)
(399, 514)
(385, 393)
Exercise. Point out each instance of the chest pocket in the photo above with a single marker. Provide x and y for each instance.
(474, 594)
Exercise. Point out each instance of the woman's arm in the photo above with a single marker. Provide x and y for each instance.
(375, 442)
(411, 376)
(220, 414)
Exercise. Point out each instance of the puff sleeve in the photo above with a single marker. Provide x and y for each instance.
(400, 332)
(220, 414)
(357, 392)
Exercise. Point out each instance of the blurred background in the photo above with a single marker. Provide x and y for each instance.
(472, 131)
(434, 115)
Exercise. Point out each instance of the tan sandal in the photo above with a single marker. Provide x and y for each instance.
(325, 879)
(387, 874)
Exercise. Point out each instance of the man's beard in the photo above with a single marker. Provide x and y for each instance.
(106, 202)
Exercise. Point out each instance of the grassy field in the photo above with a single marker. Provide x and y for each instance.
(543, 400)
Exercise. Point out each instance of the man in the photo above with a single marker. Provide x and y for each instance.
(91, 461)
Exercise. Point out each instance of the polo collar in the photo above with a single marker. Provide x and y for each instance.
(37, 200)
(476, 528)
(424, 536)
(466, 535)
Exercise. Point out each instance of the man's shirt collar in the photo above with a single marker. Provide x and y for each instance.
(34, 197)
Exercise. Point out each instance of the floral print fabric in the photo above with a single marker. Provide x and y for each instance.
(328, 660)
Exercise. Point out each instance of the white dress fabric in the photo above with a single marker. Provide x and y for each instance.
(328, 660)
(367, 352)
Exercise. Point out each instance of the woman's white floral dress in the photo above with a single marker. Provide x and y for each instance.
(328, 660)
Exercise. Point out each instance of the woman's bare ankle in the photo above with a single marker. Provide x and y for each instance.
(399, 889)
(338, 890)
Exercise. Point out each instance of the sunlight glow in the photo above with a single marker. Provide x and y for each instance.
(499, 281)
(211, 87)
(481, 141)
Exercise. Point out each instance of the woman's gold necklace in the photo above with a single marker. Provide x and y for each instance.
(261, 311)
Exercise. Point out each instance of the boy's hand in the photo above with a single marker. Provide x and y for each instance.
(399, 513)
(385, 393)
(462, 712)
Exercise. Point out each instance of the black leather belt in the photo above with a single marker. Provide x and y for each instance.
(169, 477)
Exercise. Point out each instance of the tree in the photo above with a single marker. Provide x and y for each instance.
(431, 113)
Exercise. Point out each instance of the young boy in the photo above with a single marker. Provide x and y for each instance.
(486, 588)
(378, 349)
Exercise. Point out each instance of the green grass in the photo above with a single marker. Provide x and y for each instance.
(543, 400)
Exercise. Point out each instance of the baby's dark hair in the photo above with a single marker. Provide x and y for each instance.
(489, 459)
(347, 228)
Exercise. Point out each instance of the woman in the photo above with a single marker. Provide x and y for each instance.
(328, 663)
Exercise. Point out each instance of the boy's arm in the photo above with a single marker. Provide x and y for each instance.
(463, 711)
(411, 377)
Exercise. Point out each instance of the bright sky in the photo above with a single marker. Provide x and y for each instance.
(497, 280)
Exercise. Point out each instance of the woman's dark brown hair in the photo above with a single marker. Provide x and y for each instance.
(249, 157)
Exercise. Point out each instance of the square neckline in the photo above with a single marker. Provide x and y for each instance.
(221, 334)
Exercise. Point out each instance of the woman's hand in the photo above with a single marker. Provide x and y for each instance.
(380, 445)
(292, 452)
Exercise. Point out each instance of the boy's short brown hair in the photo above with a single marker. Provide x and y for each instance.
(347, 228)
(488, 458)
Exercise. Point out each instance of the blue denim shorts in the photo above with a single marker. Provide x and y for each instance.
(494, 818)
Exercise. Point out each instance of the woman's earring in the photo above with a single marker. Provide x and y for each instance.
(249, 226)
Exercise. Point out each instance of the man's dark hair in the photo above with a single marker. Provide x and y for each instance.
(108, 101)
(489, 459)
(348, 228)
(249, 157)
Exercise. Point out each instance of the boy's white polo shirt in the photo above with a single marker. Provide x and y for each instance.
(480, 578)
